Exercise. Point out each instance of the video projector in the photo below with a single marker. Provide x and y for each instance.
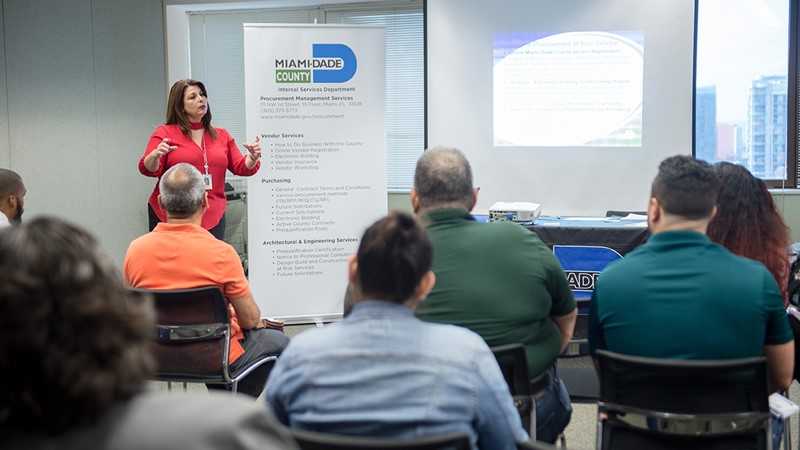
(520, 212)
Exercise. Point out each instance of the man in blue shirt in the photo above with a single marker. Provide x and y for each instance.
(381, 372)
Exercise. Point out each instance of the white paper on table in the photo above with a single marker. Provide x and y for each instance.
(635, 217)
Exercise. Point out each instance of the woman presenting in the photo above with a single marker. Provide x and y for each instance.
(187, 136)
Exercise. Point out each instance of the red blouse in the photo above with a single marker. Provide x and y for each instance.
(222, 154)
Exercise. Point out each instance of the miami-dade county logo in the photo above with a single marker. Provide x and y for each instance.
(582, 265)
(329, 63)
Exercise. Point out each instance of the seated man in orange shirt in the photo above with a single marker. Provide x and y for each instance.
(180, 254)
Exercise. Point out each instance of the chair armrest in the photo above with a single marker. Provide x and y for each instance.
(683, 424)
(190, 333)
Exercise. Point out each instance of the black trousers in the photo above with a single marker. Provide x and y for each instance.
(257, 343)
(218, 231)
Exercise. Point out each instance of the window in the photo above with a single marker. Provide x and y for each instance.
(219, 33)
(742, 87)
(405, 88)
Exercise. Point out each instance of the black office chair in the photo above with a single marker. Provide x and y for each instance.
(660, 404)
(193, 337)
(309, 440)
(536, 445)
(513, 362)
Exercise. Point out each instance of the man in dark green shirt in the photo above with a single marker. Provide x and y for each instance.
(682, 296)
(497, 279)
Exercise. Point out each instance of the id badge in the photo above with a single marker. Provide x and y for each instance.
(207, 182)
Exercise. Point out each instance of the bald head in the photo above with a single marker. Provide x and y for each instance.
(10, 183)
(181, 191)
(443, 179)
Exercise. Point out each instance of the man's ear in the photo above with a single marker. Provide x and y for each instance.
(12, 201)
(414, 200)
(474, 198)
(653, 211)
(160, 203)
(352, 270)
(205, 200)
(714, 212)
(425, 285)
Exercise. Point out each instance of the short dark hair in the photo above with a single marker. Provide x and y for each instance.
(686, 187)
(74, 340)
(393, 256)
(10, 182)
(443, 178)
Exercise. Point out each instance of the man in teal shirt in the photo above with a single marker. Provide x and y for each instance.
(682, 296)
(497, 279)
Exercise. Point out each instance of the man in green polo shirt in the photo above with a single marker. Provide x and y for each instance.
(682, 296)
(497, 279)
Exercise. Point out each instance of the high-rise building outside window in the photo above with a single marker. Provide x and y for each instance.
(741, 84)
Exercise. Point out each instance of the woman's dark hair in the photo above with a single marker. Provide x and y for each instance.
(175, 110)
(75, 342)
(747, 222)
(393, 256)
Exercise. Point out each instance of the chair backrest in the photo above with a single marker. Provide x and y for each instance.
(193, 332)
(513, 362)
(536, 445)
(308, 440)
(666, 403)
(684, 386)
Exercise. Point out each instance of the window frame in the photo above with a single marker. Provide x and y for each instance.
(793, 119)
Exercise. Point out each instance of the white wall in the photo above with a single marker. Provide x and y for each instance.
(86, 86)
(179, 64)
(566, 180)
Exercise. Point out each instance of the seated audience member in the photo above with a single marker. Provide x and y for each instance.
(497, 279)
(383, 373)
(74, 357)
(748, 224)
(682, 296)
(12, 198)
(180, 253)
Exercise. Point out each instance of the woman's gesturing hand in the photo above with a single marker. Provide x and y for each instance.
(254, 152)
(153, 160)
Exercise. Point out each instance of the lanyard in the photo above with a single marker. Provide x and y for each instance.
(205, 155)
(203, 150)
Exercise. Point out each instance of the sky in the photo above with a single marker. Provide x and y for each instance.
(738, 41)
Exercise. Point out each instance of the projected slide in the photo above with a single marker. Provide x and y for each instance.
(568, 89)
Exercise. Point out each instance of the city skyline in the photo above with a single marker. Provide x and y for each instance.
(741, 84)
(759, 142)
(739, 41)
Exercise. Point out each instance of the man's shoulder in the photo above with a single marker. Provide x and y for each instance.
(153, 421)
(733, 263)
(201, 242)
(318, 340)
(143, 242)
(499, 233)
(457, 335)
(223, 417)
